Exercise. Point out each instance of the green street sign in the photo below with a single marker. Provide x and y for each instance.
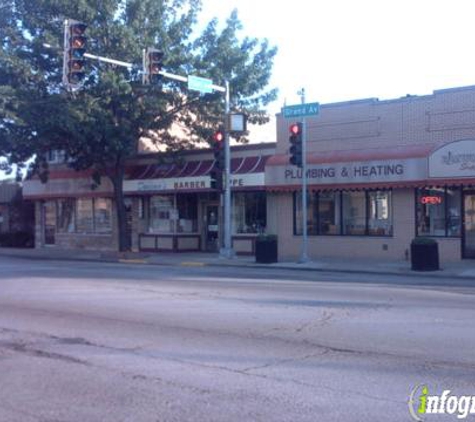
(203, 85)
(301, 110)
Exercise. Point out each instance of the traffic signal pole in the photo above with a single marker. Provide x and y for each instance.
(227, 251)
(304, 252)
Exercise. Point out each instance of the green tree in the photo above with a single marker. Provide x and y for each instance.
(99, 126)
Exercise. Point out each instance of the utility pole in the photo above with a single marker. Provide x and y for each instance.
(304, 253)
(227, 251)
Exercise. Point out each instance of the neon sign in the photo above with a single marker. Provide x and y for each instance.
(432, 200)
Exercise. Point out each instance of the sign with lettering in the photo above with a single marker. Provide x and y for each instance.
(432, 200)
(456, 159)
(190, 183)
(301, 110)
(346, 173)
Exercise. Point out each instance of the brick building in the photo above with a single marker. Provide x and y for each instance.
(380, 173)
(171, 206)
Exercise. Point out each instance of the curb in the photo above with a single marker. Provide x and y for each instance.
(144, 261)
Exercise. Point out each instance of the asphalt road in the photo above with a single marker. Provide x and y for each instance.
(111, 342)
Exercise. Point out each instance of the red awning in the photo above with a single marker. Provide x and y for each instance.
(241, 165)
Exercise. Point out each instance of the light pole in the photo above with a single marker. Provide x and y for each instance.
(304, 253)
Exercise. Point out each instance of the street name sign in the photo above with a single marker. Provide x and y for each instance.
(202, 85)
(301, 110)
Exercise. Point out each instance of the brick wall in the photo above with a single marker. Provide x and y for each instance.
(443, 117)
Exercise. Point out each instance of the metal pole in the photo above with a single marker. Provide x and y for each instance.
(304, 254)
(227, 251)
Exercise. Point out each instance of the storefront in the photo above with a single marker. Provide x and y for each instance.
(380, 174)
(170, 207)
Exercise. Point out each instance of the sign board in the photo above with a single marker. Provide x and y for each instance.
(301, 110)
(202, 85)
(237, 122)
(456, 159)
(376, 171)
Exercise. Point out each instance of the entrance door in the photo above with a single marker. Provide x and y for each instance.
(212, 228)
(50, 222)
(469, 225)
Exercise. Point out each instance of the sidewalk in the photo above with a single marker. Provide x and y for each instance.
(460, 270)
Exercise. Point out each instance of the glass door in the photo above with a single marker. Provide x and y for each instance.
(468, 245)
(212, 228)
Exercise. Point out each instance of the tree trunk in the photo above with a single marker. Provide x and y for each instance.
(121, 212)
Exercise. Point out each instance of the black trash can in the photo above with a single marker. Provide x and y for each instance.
(424, 254)
(266, 249)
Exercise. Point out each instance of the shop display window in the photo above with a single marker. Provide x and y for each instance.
(359, 213)
(84, 215)
(187, 213)
(249, 212)
(66, 216)
(354, 213)
(379, 213)
(312, 222)
(102, 215)
(438, 212)
(162, 214)
(329, 213)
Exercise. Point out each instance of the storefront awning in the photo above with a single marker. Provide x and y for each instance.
(192, 176)
(404, 166)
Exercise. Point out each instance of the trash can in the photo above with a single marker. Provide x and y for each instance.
(266, 249)
(424, 254)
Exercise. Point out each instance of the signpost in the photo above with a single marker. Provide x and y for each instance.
(302, 111)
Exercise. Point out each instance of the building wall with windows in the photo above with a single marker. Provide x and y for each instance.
(170, 201)
(380, 173)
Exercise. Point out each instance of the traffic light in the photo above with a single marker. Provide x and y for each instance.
(218, 149)
(75, 43)
(216, 173)
(153, 63)
(295, 140)
(216, 177)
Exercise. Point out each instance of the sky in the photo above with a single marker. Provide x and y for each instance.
(341, 50)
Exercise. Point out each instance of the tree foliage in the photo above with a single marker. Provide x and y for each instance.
(99, 125)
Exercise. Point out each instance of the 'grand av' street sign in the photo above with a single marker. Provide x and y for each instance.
(301, 110)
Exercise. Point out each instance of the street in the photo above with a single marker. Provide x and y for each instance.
(116, 342)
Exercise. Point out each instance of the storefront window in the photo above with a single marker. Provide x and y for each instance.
(187, 213)
(438, 212)
(379, 209)
(102, 215)
(84, 216)
(311, 214)
(354, 213)
(329, 213)
(362, 213)
(249, 212)
(65, 218)
(162, 214)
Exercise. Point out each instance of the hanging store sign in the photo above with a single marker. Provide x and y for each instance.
(411, 169)
(456, 159)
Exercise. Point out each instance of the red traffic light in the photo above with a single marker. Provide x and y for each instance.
(295, 129)
(218, 136)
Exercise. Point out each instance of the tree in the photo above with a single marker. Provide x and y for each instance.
(99, 125)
